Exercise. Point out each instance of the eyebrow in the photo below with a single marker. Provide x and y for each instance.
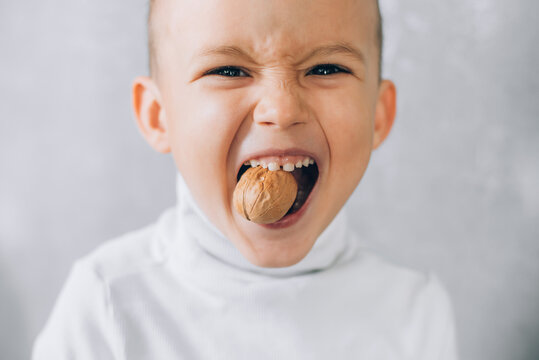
(338, 48)
(324, 50)
(225, 50)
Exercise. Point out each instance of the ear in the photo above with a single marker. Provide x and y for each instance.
(386, 108)
(151, 118)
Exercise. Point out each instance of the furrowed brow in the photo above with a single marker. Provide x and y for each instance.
(325, 50)
(339, 48)
(233, 51)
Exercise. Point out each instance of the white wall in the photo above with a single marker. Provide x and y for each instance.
(453, 190)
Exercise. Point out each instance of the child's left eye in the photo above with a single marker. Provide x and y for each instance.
(327, 69)
(228, 71)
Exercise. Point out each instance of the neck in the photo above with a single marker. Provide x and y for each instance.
(198, 240)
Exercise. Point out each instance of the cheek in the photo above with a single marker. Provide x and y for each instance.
(203, 125)
(347, 122)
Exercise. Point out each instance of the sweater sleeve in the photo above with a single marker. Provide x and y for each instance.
(81, 324)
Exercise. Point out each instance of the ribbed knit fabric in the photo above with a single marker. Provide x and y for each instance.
(179, 289)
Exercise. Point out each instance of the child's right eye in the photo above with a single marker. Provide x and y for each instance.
(228, 71)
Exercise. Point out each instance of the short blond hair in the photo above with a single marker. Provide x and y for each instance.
(152, 47)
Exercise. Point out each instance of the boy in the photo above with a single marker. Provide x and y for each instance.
(274, 85)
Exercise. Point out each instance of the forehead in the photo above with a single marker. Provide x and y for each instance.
(268, 29)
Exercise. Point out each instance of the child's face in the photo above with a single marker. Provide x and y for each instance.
(276, 97)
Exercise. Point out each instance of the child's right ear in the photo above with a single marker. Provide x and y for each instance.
(151, 118)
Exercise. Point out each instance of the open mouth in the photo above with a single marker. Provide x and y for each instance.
(306, 178)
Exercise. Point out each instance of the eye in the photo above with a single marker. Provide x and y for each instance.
(327, 69)
(228, 71)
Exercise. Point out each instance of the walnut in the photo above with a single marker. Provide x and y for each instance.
(263, 196)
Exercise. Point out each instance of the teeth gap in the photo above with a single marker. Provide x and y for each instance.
(273, 166)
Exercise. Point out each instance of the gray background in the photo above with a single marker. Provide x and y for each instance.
(454, 189)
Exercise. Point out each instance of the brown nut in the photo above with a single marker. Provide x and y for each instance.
(263, 196)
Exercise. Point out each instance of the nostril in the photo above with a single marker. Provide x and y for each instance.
(277, 123)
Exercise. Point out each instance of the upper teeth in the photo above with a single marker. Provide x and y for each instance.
(276, 165)
(288, 167)
(273, 166)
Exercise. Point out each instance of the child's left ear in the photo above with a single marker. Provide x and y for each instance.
(151, 118)
(386, 108)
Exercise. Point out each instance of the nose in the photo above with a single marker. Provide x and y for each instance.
(280, 106)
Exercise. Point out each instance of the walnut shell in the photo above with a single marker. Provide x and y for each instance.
(263, 196)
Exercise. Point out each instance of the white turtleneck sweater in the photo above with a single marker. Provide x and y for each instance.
(179, 289)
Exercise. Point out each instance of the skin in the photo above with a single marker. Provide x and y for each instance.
(211, 122)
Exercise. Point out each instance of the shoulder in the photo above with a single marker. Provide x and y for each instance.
(401, 294)
(398, 279)
(83, 321)
(415, 303)
(128, 254)
(91, 276)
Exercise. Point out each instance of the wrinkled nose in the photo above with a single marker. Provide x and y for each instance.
(280, 107)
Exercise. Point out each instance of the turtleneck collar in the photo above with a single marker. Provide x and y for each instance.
(200, 245)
